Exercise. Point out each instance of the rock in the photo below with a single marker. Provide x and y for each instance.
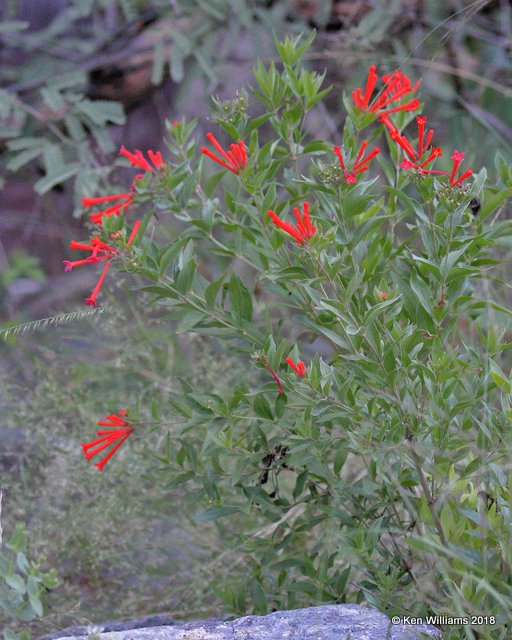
(112, 625)
(330, 622)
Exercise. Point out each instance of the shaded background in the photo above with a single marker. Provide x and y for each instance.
(78, 80)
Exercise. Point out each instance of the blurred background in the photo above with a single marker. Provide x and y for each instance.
(80, 78)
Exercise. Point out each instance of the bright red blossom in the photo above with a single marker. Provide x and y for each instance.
(136, 159)
(99, 251)
(91, 300)
(126, 200)
(396, 86)
(457, 158)
(118, 430)
(234, 160)
(424, 155)
(299, 367)
(304, 229)
(360, 164)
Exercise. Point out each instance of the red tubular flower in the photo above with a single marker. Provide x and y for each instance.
(120, 207)
(422, 143)
(76, 263)
(382, 295)
(91, 301)
(134, 232)
(417, 159)
(118, 431)
(303, 231)
(100, 251)
(299, 367)
(457, 158)
(396, 86)
(234, 160)
(360, 164)
(361, 101)
(137, 159)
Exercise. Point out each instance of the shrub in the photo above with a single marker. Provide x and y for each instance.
(364, 453)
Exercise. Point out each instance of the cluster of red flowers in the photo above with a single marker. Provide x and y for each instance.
(303, 231)
(138, 160)
(360, 163)
(424, 154)
(99, 250)
(118, 430)
(234, 160)
(396, 86)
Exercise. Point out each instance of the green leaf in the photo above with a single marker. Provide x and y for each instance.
(339, 460)
(176, 65)
(300, 484)
(18, 541)
(52, 179)
(499, 377)
(262, 407)
(157, 73)
(448, 262)
(53, 99)
(17, 583)
(216, 512)
(10, 634)
(377, 308)
(161, 291)
(67, 80)
(241, 301)
(494, 201)
(22, 562)
(102, 111)
(33, 590)
(11, 26)
(333, 337)
(258, 598)
(23, 158)
(281, 402)
(211, 291)
(422, 292)
(185, 277)
(4, 566)
(257, 122)
(189, 320)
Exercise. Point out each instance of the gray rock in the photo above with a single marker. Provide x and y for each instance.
(157, 620)
(330, 622)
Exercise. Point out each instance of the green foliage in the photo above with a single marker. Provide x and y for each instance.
(22, 584)
(21, 265)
